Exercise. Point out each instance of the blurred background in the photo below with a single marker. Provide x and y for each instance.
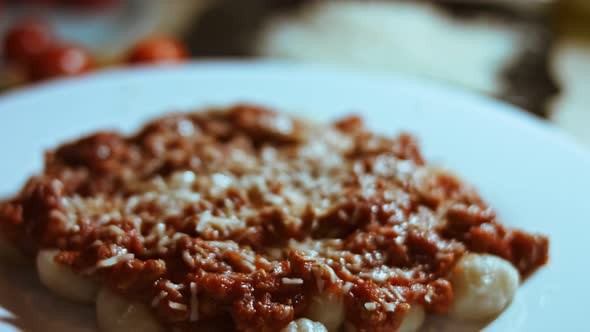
(531, 53)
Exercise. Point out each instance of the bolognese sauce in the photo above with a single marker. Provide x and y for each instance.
(239, 217)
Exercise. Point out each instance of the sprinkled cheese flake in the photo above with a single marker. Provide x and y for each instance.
(182, 179)
(177, 306)
(347, 287)
(221, 183)
(248, 265)
(331, 273)
(292, 281)
(388, 293)
(187, 195)
(379, 275)
(161, 295)
(116, 230)
(172, 285)
(223, 224)
(371, 306)
(389, 307)
(123, 257)
(188, 259)
(398, 294)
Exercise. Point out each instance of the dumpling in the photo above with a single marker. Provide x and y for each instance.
(484, 285)
(413, 320)
(63, 281)
(327, 309)
(116, 314)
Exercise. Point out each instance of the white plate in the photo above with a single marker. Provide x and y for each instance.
(531, 173)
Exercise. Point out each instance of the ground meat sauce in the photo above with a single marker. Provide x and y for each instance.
(239, 217)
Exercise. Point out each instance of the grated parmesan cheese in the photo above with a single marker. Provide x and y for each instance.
(122, 257)
(177, 306)
(156, 300)
(292, 281)
(371, 306)
(389, 307)
(188, 259)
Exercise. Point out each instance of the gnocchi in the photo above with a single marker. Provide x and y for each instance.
(116, 314)
(62, 280)
(484, 285)
(327, 309)
(304, 325)
(413, 320)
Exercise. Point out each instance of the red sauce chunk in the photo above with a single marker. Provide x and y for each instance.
(239, 217)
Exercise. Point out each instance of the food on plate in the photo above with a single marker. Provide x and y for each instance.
(483, 285)
(252, 220)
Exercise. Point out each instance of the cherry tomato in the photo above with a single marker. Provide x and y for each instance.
(61, 60)
(158, 50)
(26, 40)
